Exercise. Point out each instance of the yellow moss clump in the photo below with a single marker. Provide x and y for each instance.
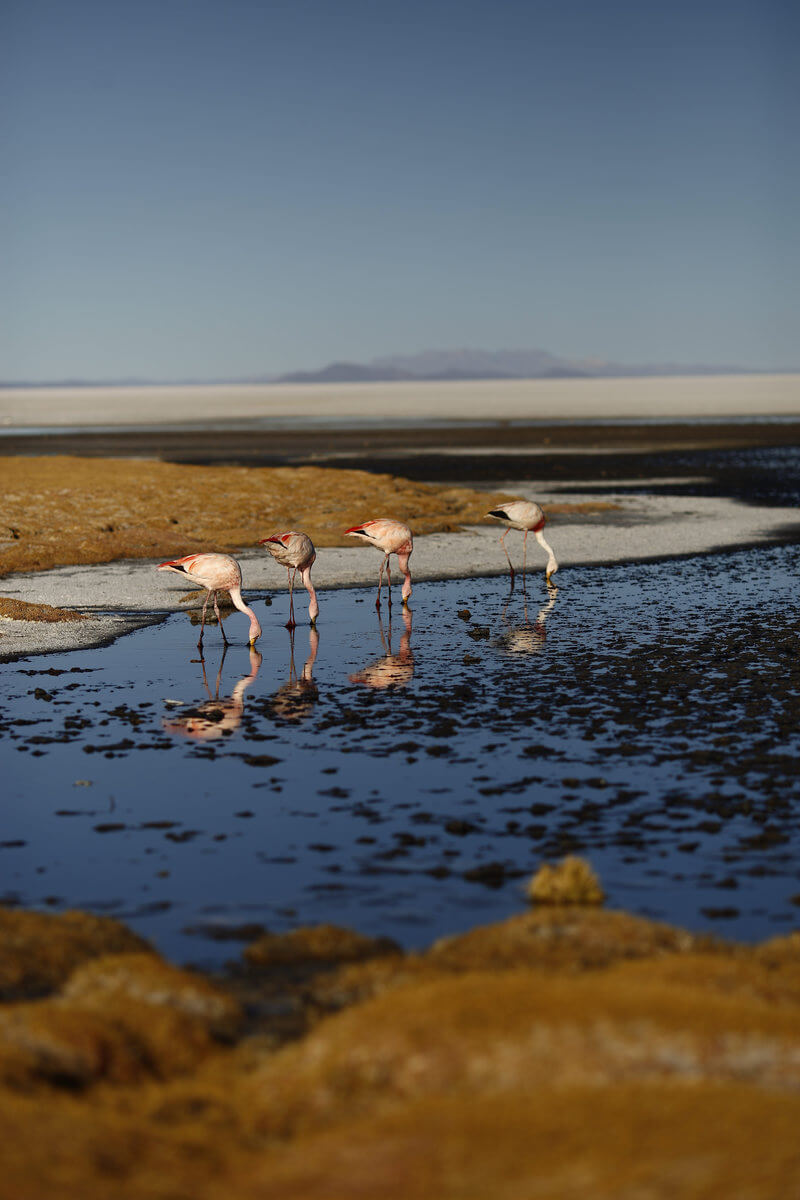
(118, 1018)
(21, 610)
(123, 1042)
(317, 943)
(38, 951)
(149, 981)
(572, 881)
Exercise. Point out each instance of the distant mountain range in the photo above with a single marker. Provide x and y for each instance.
(443, 365)
(491, 364)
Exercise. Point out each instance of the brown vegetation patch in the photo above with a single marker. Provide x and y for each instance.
(571, 881)
(21, 610)
(39, 951)
(317, 944)
(566, 1052)
(60, 511)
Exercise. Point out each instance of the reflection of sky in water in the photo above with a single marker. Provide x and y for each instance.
(404, 777)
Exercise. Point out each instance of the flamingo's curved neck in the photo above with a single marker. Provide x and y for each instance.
(255, 628)
(402, 562)
(552, 563)
(313, 606)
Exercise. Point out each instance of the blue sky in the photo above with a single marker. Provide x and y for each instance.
(197, 189)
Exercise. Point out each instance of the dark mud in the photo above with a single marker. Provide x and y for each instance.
(405, 778)
(756, 461)
(472, 452)
(768, 475)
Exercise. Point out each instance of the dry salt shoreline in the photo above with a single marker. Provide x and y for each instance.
(641, 398)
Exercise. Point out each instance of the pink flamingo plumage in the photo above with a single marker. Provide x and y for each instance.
(296, 552)
(527, 516)
(216, 573)
(392, 537)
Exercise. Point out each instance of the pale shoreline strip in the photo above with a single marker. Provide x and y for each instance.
(675, 397)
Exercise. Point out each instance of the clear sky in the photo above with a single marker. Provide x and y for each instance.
(218, 189)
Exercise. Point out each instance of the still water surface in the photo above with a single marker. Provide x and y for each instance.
(406, 777)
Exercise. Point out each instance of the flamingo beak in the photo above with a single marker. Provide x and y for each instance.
(275, 540)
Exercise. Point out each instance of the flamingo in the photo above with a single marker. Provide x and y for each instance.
(392, 537)
(527, 516)
(216, 573)
(296, 552)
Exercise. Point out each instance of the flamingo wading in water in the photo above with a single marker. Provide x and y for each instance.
(216, 573)
(528, 517)
(296, 552)
(392, 537)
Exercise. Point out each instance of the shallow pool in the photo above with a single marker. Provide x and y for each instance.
(406, 777)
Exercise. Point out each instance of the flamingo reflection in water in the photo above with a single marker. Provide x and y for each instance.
(296, 698)
(213, 718)
(390, 670)
(528, 637)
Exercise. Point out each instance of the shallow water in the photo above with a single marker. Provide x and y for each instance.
(406, 778)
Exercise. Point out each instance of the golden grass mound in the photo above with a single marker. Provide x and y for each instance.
(566, 1052)
(571, 881)
(21, 610)
(317, 943)
(39, 951)
(62, 510)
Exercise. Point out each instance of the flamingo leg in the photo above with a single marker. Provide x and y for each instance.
(219, 620)
(389, 580)
(510, 564)
(380, 581)
(203, 620)
(290, 624)
(524, 555)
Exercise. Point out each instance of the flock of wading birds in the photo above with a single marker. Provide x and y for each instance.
(295, 551)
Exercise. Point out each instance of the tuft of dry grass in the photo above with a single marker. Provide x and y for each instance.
(571, 881)
(21, 610)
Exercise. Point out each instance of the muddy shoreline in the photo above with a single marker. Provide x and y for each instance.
(443, 447)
